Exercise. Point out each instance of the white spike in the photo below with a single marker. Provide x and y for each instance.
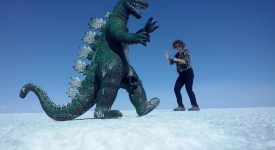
(89, 37)
(75, 82)
(107, 14)
(97, 23)
(80, 66)
(84, 51)
(72, 93)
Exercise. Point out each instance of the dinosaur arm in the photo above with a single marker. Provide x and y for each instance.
(141, 30)
(122, 35)
(125, 37)
(149, 27)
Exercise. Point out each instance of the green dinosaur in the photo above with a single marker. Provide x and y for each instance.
(108, 72)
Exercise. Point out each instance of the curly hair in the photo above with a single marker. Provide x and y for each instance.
(177, 43)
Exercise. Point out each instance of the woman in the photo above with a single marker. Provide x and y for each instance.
(186, 75)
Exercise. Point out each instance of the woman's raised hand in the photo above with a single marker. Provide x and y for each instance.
(166, 55)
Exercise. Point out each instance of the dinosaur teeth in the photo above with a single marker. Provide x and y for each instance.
(23, 89)
(138, 5)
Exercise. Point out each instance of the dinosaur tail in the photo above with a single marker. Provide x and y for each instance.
(78, 106)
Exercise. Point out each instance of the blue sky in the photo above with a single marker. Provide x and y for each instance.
(231, 44)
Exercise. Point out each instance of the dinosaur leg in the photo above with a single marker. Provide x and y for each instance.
(138, 98)
(109, 86)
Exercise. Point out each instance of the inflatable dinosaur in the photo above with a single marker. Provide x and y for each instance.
(108, 71)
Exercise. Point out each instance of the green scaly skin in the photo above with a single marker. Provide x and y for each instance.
(108, 72)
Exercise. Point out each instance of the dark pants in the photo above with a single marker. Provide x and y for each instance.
(186, 77)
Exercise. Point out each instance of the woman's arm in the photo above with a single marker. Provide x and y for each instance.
(166, 55)
(181, 61)
(185, 59)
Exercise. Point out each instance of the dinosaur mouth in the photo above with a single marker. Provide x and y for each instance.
(136, 6)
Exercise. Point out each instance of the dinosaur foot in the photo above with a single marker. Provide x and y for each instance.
(107, 114)
(151, 105)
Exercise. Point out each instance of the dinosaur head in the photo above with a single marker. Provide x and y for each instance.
(134, 6)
